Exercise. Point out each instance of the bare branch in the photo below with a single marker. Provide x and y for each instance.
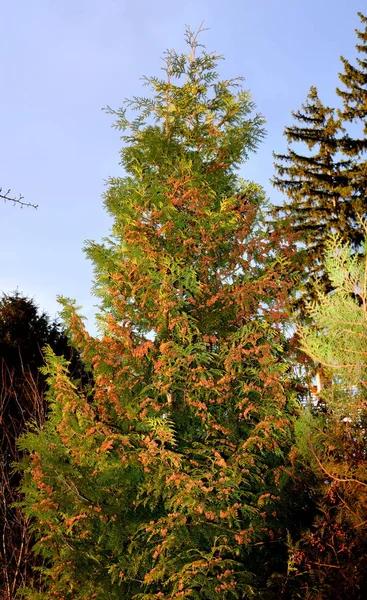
(7, 198)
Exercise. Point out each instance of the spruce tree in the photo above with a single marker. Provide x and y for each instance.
(164, 481)
(316, 184)
(354, 111)
(325, 183)
(354, 94)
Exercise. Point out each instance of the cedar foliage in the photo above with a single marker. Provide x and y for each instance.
(164, 482)
(323, 172)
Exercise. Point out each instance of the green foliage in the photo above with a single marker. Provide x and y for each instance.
(332, 443)
(164, 482)
(339, 339)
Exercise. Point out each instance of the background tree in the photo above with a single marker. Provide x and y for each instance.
(354, 93)
(316, 185)
(333, 444)
(165, 482)
(354, 112)
(326, 184)
(24, 331)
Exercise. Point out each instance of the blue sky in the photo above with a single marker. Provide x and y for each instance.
(62, 61)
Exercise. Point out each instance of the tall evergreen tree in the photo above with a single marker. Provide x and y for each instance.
(165, 482)
(354, 111)
(354, 94)
(326, 184)
(316, 184)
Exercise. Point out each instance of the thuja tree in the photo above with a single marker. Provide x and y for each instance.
(165, 481)
(334, 443)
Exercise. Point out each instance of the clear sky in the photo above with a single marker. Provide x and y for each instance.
(63, 60)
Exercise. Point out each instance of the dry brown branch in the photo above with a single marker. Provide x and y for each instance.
(335, 477)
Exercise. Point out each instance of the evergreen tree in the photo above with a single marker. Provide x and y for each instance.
(354, 94)
(316, 184)
(333, 444)
(354, 111)
(165, 481)
(23, 333)
(326, 184)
